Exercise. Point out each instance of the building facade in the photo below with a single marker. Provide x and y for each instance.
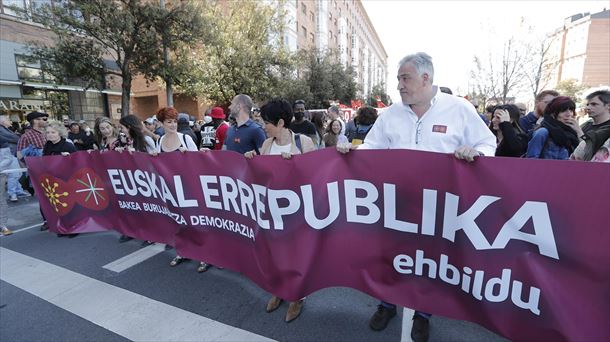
(340, 25)
(26, 86)
(582, 49)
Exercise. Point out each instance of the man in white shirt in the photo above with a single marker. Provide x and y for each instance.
(428, 120)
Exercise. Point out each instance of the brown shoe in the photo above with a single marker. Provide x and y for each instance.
(294, 310)
(6, 231)
(274, 303)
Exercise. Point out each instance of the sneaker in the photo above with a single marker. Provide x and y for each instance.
(72, 236)
(146, 243)
(13, 198)
(24, 194)
(421, 329)
(294, 310)
(274, 303)
(6, 231)
(45, 226)
(125, 238)
(175, 261)
(382, 317)
(203, 267)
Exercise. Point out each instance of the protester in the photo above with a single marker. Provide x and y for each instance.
(333, 135)
(172, 141)
(106, 134)
(79, 138)
(245, 135)
(301, 124)
(596, 133)
(512, 141)
(428, 120)
(56, 145)
(334, 113)
(213, 133)
(277, 116)
(557, 136)
(150, 127)
(8, 160)
(133, 131)
(318, 119)
(363, 122)
(184, 126)
(33, 139)
(529, 122)
(256, 116)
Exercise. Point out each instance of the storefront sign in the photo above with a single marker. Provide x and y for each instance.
(22, 105)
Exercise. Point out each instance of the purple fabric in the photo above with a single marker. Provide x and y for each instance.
(483, 274)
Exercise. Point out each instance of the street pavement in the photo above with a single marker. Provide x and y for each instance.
(93, 288)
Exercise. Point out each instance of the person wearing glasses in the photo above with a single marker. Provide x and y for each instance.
(32, 140)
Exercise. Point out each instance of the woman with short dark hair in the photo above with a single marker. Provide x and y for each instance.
(277, 115)
(557, 136)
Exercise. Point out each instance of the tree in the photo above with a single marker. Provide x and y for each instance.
(244, 55)
(571, 88)
(539, 64)
(379, 92)
(127, 33)
(327, 79)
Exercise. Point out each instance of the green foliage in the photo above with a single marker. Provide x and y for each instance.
(243, 55)
(379, 91)
(571, 88)
(128, 33)
(325, 77)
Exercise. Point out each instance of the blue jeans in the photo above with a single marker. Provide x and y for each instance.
(7, 162)
(393, 306)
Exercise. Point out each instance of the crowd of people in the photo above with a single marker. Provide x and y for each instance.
(427, 118)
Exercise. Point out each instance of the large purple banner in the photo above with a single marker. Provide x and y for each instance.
(519, 246)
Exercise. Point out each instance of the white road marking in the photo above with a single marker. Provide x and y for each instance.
(26, 228)
(123, 312)
(134, 258)
(407, 323)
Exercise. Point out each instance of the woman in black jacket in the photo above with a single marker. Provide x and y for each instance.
(57, 145)
(512, 141)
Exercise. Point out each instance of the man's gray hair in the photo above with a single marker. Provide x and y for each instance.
(245, 100)
(422, 63)
(334, 109)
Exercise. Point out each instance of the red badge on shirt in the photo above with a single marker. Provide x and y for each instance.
(439, 129)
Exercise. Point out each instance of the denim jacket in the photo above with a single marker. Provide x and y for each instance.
(542, 147)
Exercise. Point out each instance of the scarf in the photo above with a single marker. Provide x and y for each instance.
(561, 134)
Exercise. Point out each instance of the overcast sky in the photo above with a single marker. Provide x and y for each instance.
(452, 32)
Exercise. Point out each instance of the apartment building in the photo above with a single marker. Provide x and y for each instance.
(24, 84)
(341, 25)
(582, 49)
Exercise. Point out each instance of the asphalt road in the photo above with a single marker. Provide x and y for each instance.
(57, 289)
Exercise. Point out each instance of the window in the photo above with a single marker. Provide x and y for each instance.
(23, 8)
(303, 8)
(311, 16)
(30, 69)
(304, 30)
(312, 37)
(19, 6)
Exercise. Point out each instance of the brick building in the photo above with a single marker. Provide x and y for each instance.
(24, 84)
(323, 24)
(582, 48)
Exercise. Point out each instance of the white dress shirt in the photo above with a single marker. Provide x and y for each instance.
(449, 123)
